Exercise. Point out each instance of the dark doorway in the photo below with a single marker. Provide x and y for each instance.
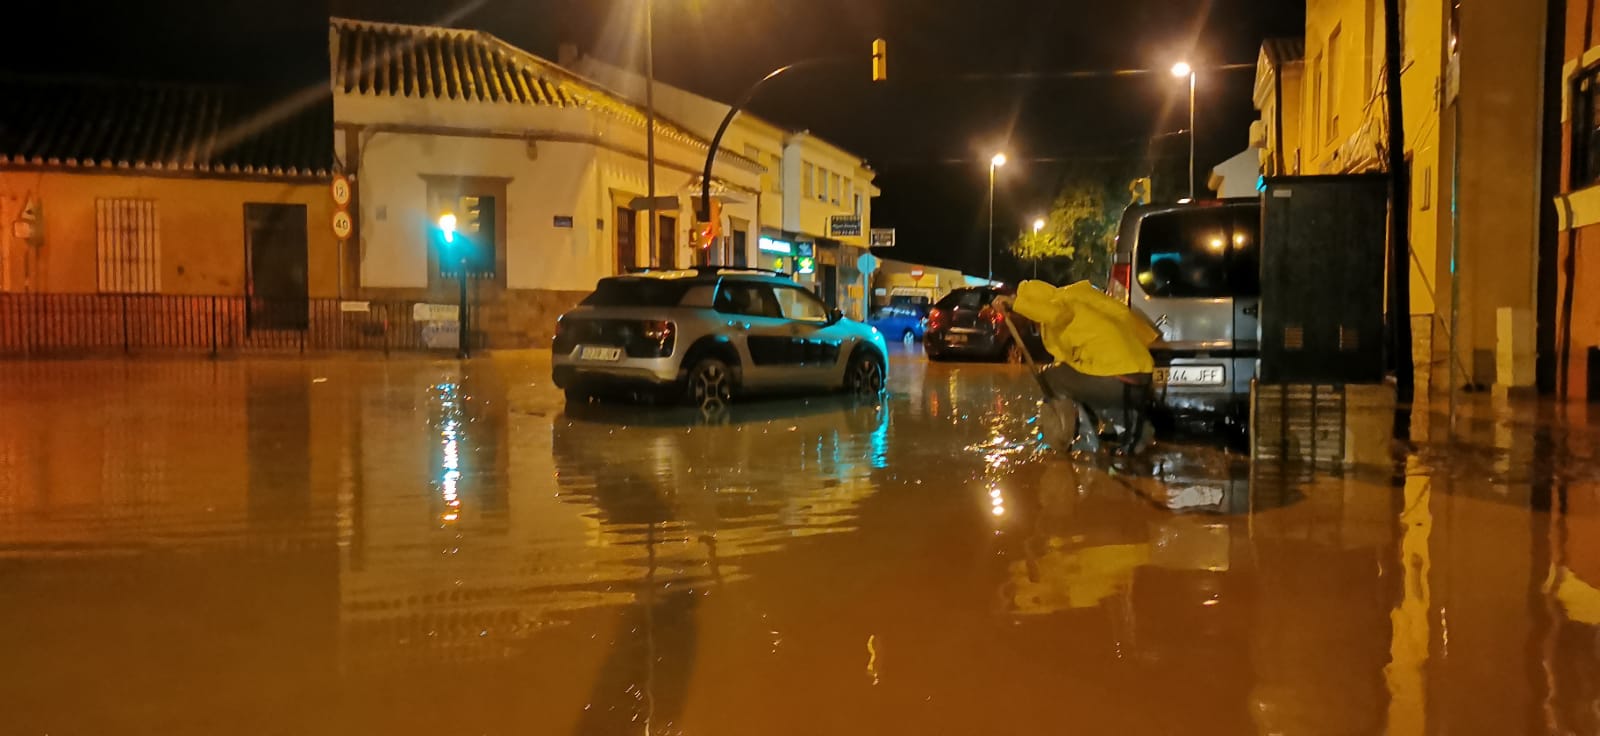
(830, 286)
(627, 245)
(275, 265)
(741, 257)
(667, 245)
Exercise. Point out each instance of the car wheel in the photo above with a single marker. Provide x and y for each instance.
(865, 376)
(909, 339)
(710, 382)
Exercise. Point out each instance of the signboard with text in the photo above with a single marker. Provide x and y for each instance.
(844, 226)
(882, 237)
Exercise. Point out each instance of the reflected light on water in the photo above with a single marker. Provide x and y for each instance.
(450, 465)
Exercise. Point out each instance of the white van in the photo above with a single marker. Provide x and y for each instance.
(1195, 271)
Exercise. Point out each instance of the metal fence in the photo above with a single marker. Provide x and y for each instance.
(67, 324)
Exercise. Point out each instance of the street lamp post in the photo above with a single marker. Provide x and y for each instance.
(1182, 69)
(994, 163)
(650, 129)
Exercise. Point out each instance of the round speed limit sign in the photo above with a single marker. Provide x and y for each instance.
(341, 191)
(341, 224)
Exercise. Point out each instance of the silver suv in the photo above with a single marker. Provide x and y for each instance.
(1194, 270)
(709, 334)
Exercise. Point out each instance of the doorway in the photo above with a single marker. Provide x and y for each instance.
(275, 267)
(627, 227)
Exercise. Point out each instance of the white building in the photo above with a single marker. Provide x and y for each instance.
(540, 167)
(810, 185)
(1239, 176)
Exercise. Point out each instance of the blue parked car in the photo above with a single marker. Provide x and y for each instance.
(903, 322)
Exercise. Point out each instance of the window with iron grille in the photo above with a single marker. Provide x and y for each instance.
(128, 245)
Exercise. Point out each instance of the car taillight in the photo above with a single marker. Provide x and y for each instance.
(655, 340)
(659, 331)
(935, 318)
(995, 315)
(562, 342)
(1121, 278)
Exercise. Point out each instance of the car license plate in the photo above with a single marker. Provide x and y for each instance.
(1191, 375)
(589, 353)
(956, 338)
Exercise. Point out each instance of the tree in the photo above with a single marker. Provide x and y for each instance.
(1079, 232)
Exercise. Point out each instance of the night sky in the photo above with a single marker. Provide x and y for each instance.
(953, 98)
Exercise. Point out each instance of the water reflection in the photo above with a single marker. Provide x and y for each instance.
(419, 547)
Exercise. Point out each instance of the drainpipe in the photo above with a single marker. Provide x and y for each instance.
(1277, 114)
(1570, 263)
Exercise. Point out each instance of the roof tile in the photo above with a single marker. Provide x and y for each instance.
(161, 127)
(394, 60)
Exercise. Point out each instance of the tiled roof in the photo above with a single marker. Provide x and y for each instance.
(430, 62)
(1284, 50)
(173, 128)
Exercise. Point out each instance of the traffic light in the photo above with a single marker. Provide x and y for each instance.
(447, 227)
(880, 60)
(471, 212)
(707, 232)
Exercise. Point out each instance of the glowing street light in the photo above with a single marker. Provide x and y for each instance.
(996, 162)
(1038, 224)
(1180, 70)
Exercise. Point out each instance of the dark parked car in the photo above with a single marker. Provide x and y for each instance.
(903, 322)
(966, 324)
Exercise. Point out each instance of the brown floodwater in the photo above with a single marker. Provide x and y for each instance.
(412, 546)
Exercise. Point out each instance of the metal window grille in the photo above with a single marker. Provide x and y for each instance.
(128, 241)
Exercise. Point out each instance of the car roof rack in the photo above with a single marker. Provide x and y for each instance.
(705, 270)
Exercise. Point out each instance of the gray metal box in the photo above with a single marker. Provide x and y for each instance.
(1322, 279)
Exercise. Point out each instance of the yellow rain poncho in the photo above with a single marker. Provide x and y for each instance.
(1088, 330)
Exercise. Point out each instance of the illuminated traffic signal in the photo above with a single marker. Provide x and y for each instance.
(707, 232)
(471, 212)
(880, 60)
(447, 227)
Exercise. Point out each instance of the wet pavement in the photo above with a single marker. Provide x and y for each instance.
(409, 546)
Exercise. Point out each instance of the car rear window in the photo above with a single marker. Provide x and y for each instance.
(1200, 253)
(637, 292)
(963, 299)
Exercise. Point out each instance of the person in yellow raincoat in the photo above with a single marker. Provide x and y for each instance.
(1101, 347)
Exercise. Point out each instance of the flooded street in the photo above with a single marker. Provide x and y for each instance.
(410, 546)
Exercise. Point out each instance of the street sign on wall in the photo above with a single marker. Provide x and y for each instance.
(844, 226)
(882, 237)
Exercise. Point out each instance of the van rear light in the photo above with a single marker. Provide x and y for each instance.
(1121, 279)
(935, 319)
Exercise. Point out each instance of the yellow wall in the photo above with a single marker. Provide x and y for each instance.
(1358, 79)
(201, 230)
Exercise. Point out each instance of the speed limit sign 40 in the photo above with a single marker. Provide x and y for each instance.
(341, 191)
(341, 224)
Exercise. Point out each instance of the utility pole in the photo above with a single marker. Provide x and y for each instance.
(650, 127)
(1399, 225)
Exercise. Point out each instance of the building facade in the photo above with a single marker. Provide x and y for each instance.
(815, 203)
(1473, 87)
(162, 215)
(1577, 297)
(541, 171)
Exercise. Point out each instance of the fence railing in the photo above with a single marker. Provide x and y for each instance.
(58, 324)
